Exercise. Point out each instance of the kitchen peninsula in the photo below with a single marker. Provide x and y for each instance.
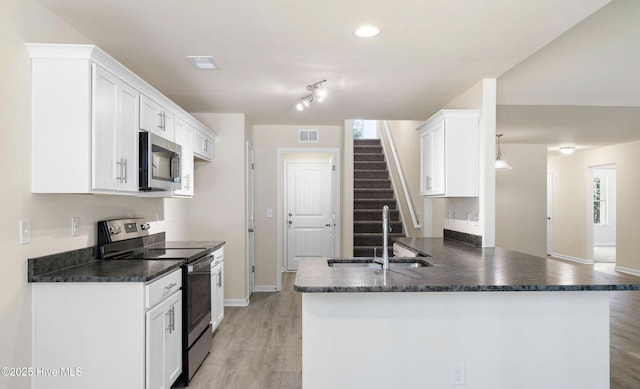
(479, 317)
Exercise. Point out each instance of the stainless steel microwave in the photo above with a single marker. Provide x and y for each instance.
(159, 167)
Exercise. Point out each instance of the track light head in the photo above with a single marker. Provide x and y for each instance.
(317, 92)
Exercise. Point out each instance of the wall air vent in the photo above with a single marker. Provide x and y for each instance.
(307, 136)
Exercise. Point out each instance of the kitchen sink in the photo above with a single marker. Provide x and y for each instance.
(365, 262)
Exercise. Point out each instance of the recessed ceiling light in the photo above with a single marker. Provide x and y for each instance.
(202, 61)
(567, 150)
(367, 31)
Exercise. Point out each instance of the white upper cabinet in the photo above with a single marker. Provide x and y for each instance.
(449, 148)
(87, 111)
(184, 137)
(203, 145)
(156, 119)
(114, 135)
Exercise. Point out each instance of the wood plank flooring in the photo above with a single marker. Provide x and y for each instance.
(260, 346)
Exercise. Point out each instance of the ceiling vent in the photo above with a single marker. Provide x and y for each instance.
(308, 136)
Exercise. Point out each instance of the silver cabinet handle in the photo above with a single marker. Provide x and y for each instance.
(171, 285)
(220, 279)
(173, 319)
(168, 314)
(119, 165)
(124, 168)
(160, 124)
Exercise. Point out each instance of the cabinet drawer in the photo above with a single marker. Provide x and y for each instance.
(162, 288)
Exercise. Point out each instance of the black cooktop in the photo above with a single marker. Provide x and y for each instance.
(186, 254)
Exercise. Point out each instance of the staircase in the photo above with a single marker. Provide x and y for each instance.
(371, 191)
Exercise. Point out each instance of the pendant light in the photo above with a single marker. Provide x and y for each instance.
(501, 164)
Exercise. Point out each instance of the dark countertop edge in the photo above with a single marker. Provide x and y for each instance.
(48, 277)
(463, 288)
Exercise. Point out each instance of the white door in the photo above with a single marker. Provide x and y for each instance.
(549, 212)
(250, 220)
(309, 212)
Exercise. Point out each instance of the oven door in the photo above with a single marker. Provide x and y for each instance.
(198, 297)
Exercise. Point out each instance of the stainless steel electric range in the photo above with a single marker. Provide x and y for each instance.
(124, 239)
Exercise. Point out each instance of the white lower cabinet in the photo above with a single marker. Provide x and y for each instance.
(217, 288)
(105, 335)
(164, 338)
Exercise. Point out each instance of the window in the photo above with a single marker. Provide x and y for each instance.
(600, 191)
(358, 128)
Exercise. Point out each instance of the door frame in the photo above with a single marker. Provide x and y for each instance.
(250, 200)
(549, 211)
(280, 219)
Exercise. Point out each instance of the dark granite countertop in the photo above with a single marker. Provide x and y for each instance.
(117, 270)
(458, 267)
(83, 266)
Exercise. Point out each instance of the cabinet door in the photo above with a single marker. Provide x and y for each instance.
(164, 343)
(438, 181)
(127, 137)
(156, 119)
(157, 324)
(432, 154)
(173, 340)
(184, 137)
(150, 116)
(217, 295)
(202, 145)
(114, 133)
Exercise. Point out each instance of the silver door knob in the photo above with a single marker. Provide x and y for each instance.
(250, 229)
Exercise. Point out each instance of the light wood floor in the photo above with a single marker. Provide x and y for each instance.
(260, 346)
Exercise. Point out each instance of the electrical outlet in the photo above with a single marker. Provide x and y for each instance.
(269, 212)
(457, 374)
(75, 226)
(25, 231)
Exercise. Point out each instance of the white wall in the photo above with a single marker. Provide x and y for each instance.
(217, 210)
(572, 221)
(267, 140)
(24, 21)
(406, 140)
(521, 199)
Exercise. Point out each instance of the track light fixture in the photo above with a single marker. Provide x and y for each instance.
(316, 92)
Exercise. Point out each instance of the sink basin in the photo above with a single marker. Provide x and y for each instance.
(363, 262)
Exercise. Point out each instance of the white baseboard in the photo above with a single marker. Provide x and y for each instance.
(573, 259)
(627, 270)
(265, 288)
(236, 302)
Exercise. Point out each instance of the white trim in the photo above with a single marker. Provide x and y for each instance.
(249, 150)
(337, 180)
(236, 302)
(573, 259)
(627, 270)
(266, 288)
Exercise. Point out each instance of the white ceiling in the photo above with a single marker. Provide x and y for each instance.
(428, 53)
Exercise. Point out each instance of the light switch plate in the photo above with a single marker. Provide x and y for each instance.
(75, 226)
(269, 212)
(25, 231)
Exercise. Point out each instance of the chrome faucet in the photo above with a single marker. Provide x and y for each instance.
(385, 240)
